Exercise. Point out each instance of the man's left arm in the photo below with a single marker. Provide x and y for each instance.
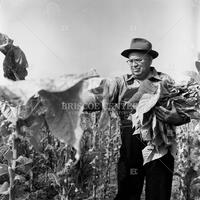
(171, 116)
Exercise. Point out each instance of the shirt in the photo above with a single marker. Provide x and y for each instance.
(122, 89)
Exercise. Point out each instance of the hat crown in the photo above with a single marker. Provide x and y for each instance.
(140, 44)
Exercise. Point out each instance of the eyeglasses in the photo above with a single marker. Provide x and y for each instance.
(138, 61)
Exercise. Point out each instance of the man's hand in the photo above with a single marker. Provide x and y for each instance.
(169, 116)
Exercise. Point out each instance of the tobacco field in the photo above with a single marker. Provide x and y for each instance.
(50, 173)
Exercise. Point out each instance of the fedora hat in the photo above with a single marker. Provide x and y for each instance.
(140, 45)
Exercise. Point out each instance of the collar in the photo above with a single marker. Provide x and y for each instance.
(153, 76)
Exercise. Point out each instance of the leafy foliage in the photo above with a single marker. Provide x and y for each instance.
(186, 176)
(51, 173)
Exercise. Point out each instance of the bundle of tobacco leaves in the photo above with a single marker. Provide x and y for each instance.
(15, 62)
(185, 99)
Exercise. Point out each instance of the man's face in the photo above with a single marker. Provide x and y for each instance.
(140, 64)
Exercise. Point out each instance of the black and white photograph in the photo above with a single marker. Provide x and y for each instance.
(99, 99)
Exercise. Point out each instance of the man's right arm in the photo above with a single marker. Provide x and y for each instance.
(108, 95)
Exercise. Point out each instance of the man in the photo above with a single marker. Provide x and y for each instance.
(131, 172)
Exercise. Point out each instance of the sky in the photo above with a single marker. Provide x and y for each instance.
(74, 36)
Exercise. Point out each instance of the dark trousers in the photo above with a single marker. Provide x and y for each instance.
(131, 172)
(159, 174)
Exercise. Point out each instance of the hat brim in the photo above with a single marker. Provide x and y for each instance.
(127, 52)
